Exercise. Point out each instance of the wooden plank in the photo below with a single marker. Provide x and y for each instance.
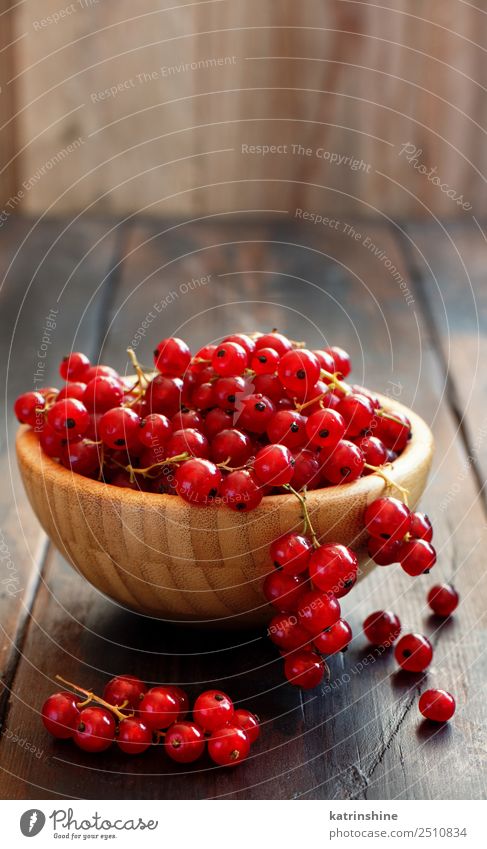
(363, 739)
(48, 301)
(351, 81)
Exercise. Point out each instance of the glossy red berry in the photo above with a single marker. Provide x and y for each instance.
(443, 599)
(228, 746)
(133, 736)
(231, 446)
(242, 339)
(287, 427)
(60, 714)
(72, 390)
(159, 708)
(172, 357)
(383, 552)
(229, 359)
(298, 370)
(127, 690)
(184, 742)
(216, 421)
(306, 471)
(187, 419)
(188, 441)
(271, 387)
(286, 632)
(95, 730)
(291, 553)
(100, 371)
(388, 519)
(227, 391)
(382, 628)
(241, 491)
(325, 360)
(317, 611)
(374, 451)
(198, 481)
(333, 568)
(164, 395)
(341, 360)
(212, 710)
(265, 361)
(437, 705)
(182, 699)
(74, 367)
(417, 556)
(69, 418)
(52, 443)
(413, 652)
(81, 457)
(29, 408)
(274, 340)
(357, 411)
(249, 722)
(102, 393)
(325, 428)
(202, 397)
(393, 432)
(255, 413)
(334, 639)
(273, 465)
(304, 669)
(283, 591)
(421, 527)
(120, 428)
(155, 430)
(345, 464)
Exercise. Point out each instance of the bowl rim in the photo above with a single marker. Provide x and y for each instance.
(418, 449)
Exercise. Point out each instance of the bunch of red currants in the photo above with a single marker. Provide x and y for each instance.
(136, 718)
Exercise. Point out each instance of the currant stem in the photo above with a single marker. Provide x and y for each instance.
(334, 381)
(383, 415)
(91, 697)
(307, 526)
(137, 368)
(228, 468)
(168, 461)
(389, 480)
(301, 407)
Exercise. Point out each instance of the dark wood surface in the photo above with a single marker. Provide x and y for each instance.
(417, 333)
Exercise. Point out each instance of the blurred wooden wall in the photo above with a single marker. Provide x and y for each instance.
(194, 83)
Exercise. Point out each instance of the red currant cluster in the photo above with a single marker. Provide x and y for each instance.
(399, 536)
(233, 423)
(136, 718)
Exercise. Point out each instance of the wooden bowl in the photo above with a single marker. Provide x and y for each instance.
(163, 557)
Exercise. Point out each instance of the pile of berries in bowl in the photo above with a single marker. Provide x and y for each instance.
(175, 482)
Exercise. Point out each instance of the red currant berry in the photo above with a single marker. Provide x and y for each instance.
(249, 723)
(283, 591)
(265, 361)
(334, 639)
(188, 441)
(243, 340)
(417, 556)
(198, 481)
(345, 464)
(341, 360)
(60, 715)
(74, 367)
(270, 386)
(357, 411)
(95, 730)
(325, 428)
(183, 700)
(102, 393)
(163, 395)
(413, 652)
(126, 690)
(298, 369)
(133, 736)
(29, 408)
(203, 354)
(159, 708)
(100, 371)
(187, 419)
(52, 443)
(255, 413)
(382, 628)
(226, 391)
(318, 611)
(229, 359)
(443, 599)
(155, 430)
(228, 746)
(286, 633)
(306, 470)
(383, 552)
(184, 742)
(387, 518)
(212, 710)
(273, 465)
(437, 705)
(394, 432)
(304, 669)
(287, 427)
(333, 568)
(216, 421)
(231, 446)
(172, 357)
(325, 360)
(202, 397)
(374, 451)
(240, 491)
(120, 428)
(69, 418)
(81, 457)
(421, 527)
(274, 340)
(72, 390)
(291, 553)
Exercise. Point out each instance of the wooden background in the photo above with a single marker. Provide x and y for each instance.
(355, 78)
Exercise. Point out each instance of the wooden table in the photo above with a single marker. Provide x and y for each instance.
(410, 303)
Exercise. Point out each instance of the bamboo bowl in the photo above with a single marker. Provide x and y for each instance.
(162, 557)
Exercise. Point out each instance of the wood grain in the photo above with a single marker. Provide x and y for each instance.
(363, 738)
(193, 85)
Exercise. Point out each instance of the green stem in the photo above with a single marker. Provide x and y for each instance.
(389, 480)
(307, 526)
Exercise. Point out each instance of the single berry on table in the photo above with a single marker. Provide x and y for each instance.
(443, 599)
(228, 746)
(382, 628)
(95, 730)
(133, 736)
(60, 714)
(249, 722)
(437, 705)
(184, 742)
(305, 669)
(212, 710)
(413, 652)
